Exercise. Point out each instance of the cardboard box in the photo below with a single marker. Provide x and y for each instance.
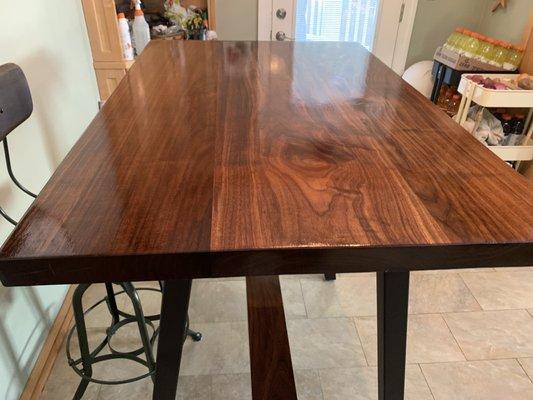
(461, 63)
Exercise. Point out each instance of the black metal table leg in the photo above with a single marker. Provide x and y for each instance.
(330, 276)
(393, 300)
(174, 307)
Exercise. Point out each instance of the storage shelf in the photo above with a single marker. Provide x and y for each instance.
(473, 92)
(496, 98)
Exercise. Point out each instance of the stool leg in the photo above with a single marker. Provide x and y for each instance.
(145, 338)
(81, 331)
(194, 335)
(112, 302)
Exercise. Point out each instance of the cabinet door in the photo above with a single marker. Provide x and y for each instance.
(102, 27)
(108, 80)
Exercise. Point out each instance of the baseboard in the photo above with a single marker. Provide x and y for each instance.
(50, 350)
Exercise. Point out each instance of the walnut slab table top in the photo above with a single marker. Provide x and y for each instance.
(260, 158)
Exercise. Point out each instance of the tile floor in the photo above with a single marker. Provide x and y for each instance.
(470, 337)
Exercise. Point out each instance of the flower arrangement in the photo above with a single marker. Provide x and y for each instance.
(194, 22)
(175, 12)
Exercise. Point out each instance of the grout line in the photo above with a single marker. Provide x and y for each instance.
(470, 291)
(453, 336)
(303, 299)
(426, 380)
(319, 383)
(523, 369)
(469, 361)
(360, 341)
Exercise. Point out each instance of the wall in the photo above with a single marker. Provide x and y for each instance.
(436, 19)
(506, 24)
(236, 19)
(48, 40)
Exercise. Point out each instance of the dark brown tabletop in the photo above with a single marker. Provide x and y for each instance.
(225, 159)
(236, 158)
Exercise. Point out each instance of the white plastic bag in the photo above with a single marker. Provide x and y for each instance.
(484, 126)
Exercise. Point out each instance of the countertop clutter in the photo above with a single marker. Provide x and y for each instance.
(494, 101)
(119, 30)
(173, 21)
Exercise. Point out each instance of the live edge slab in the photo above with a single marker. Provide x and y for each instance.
(215, 159)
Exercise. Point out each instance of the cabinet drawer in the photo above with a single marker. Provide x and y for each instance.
(108, 80)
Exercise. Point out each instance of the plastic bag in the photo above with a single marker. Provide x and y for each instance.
(484, 126)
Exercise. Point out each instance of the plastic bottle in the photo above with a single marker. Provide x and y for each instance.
(517, 134)
(500, 53)
(442, 97)
(470, 45)
(125, 37)
(487, 51)
(480, 40)
(447, 103)
(507, 125)
(453, 41)
(461, 40)
(453, 105)
(508, 50)
(141, 30)
(515, 55)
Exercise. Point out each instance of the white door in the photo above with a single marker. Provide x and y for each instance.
(382, 26)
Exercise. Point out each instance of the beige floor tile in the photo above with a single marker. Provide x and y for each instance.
(63, 382)
(478, 380)
(189, 388)
(231, 278)
(212, 300)
(122, 369)
(235, 386)
(218, 301)
(485, 335)
(530, 311)
(314, 277)
(502, 290)
(347, 296)
(324, 343)
(451, 271)
(513, 269)
(308, 384)
(149, 293)
(434, 293)
(357, 274)
(223, 350)
(361, 384)
(193, 388)
(428, 339)
(527, 365)
(293, 301)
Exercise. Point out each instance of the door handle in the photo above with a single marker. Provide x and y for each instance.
(280, 36)
(281, 13)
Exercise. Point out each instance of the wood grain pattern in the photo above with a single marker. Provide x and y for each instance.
(270, 356)
(257, 158)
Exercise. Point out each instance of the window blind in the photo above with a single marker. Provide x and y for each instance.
(337, 20)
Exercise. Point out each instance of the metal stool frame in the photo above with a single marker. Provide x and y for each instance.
(88, 358)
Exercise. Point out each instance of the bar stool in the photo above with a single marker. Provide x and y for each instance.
(16, 106)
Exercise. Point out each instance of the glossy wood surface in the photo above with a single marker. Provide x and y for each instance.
(237, 158)
(270, 356)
